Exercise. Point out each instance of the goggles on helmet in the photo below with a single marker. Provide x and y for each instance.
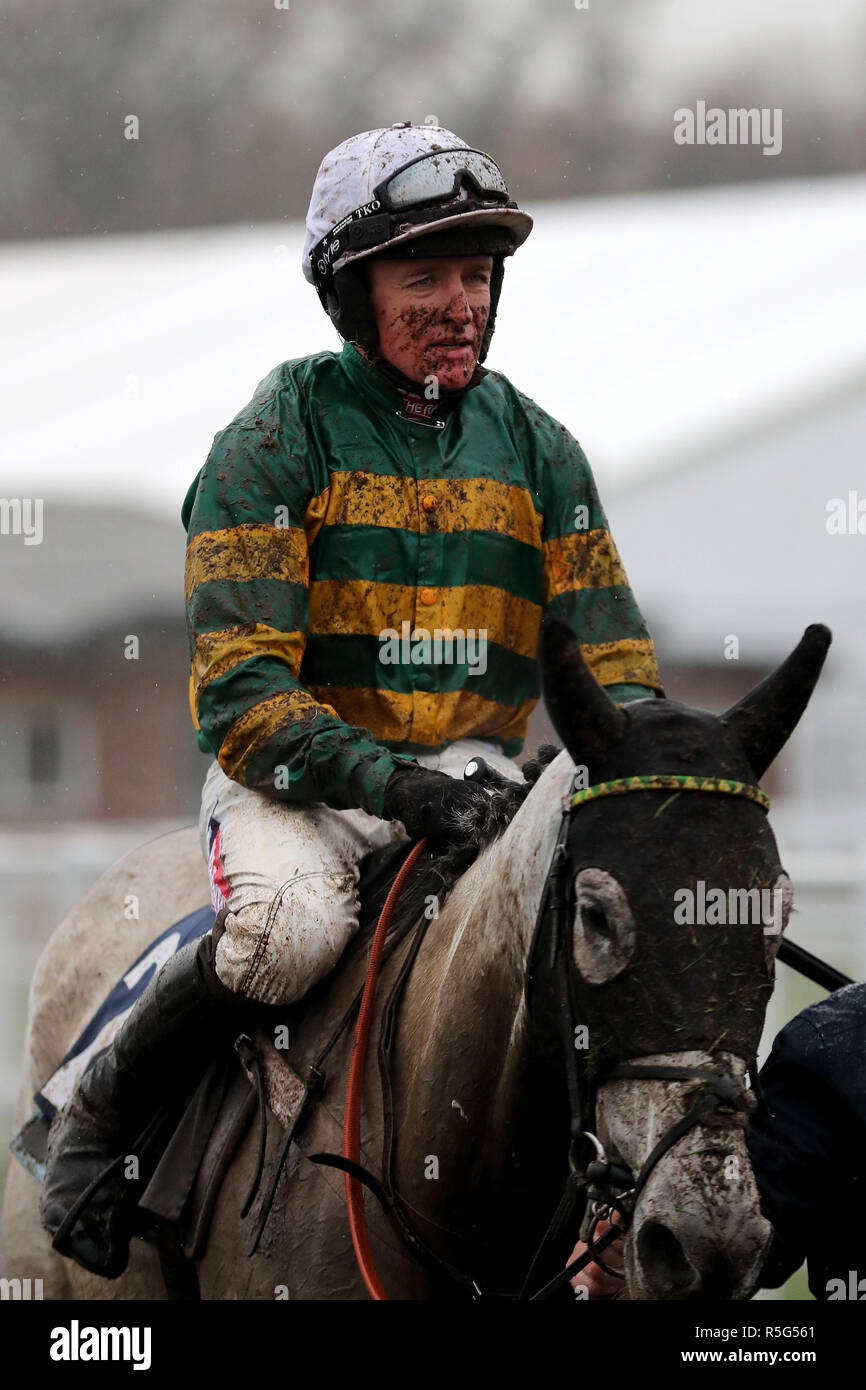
(433, 178)
(430, 182)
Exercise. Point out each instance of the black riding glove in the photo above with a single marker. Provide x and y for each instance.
(436, 805)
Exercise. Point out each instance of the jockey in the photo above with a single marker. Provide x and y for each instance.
(372, 544)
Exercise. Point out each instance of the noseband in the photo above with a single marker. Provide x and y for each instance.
(611, 1186)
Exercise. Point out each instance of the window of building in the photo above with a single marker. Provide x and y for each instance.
(47, 756)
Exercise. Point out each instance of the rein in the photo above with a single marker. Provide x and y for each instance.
(608, 1186)
(354, 1093)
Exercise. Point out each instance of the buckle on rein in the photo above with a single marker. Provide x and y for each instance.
(609, 1189)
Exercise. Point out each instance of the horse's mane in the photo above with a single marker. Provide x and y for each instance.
(437, 871)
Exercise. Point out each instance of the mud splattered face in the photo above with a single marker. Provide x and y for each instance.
(431, 315)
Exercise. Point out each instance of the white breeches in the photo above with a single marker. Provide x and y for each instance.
(288, 876)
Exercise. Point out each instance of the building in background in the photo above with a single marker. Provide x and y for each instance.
(94, 719)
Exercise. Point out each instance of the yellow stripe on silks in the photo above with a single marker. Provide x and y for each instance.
(249, 551)
(386, 713)
(256, 726)
(630, 662)
(218, 652)
(360, 498)
(315, 513)
(462, 714)
(586, 560)
(192, 708)
(367, 608)
(439, 717)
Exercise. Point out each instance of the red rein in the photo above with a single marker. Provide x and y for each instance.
(355, 1091)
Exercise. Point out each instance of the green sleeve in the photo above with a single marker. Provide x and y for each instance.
(247, 606)
(624, 694)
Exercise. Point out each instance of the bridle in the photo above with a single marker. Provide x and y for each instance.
(720, 1097)
(611, 1186)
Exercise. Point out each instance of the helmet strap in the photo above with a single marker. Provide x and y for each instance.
(350, 308)
(495, 290)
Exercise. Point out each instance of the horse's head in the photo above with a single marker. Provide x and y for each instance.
(669, 909)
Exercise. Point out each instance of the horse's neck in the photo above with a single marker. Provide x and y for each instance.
(488, 919)
(465, 1063)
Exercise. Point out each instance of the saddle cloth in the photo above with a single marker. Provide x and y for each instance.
(28, 1145)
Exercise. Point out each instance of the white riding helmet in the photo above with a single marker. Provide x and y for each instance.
(388, 188)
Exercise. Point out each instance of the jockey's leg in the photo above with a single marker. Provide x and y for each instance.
(288, 877)
(284, 883)
(173, 1030)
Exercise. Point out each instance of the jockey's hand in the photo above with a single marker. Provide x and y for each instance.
(436, 805)
(594, 1279)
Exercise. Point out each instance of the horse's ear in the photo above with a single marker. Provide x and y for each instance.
(764, 719)
(581, 711)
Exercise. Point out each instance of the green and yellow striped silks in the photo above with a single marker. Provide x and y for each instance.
(361, 586)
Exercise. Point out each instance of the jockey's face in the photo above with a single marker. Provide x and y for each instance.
(431, 315)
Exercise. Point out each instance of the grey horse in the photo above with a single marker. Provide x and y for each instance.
(479, 1093)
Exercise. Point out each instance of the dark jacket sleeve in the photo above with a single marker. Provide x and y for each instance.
(808, 1145)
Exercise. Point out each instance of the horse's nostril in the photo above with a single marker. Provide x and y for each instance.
(663, 1259)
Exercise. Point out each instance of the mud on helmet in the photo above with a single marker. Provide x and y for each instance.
(397, 192)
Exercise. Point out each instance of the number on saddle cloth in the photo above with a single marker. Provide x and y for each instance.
(107, 1019)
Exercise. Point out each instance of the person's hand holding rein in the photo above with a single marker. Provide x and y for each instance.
(597, 1282)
